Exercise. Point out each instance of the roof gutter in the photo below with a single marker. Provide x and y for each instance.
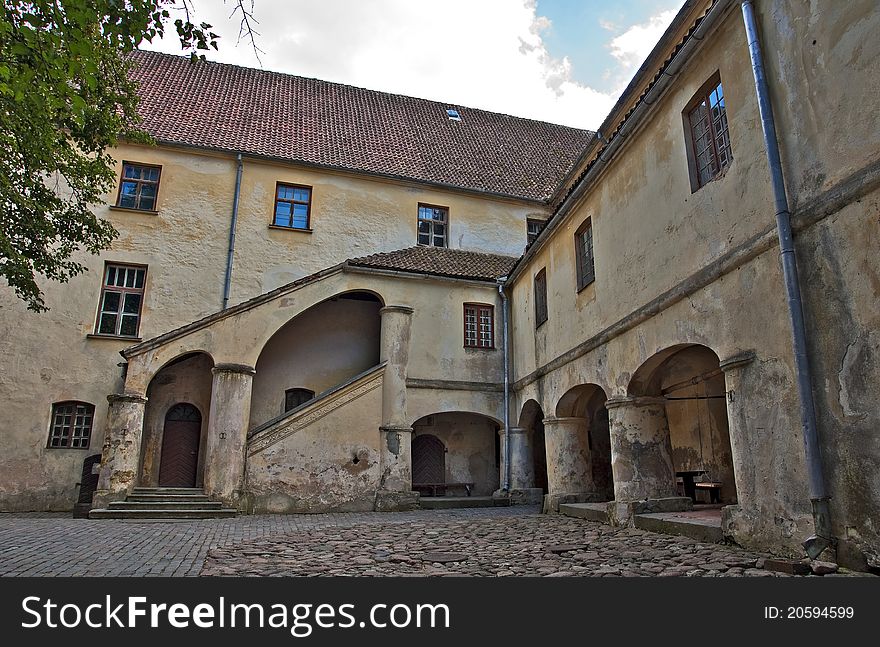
(630, 123)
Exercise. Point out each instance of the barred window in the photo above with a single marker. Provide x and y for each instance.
(139, 186)
(540, 297)
(433, 224)
(293, 206)
(71, 425)
(708, 132)
(122, 296)
(479, 325)
(583, 239)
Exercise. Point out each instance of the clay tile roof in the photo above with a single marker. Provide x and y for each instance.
(256, 112)
(440, 261)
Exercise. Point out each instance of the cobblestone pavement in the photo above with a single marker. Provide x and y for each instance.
(519, 544)
(53, 545)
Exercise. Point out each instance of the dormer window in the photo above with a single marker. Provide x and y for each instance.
(453, 115)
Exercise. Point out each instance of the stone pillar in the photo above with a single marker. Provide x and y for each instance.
(120, 458)
(569, 466)
(228, 422)
(395, 434)
(522, 464)
(738, 521)
(641, 458)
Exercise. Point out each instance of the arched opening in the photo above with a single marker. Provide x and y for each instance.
(186, 380)
(690, 382)
(587, 401)
(531, 418)
(321, 348)
(469, 458)
(178, 465)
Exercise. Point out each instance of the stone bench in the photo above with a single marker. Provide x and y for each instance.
(714, 489)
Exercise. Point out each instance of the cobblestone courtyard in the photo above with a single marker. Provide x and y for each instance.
(485, 542)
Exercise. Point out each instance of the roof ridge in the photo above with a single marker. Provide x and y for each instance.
(364, 88)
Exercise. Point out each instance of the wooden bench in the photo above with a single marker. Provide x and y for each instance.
(714, 489)
(434, 487)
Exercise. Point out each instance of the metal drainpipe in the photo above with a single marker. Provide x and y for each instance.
(227, 283)
(506, 355)
(822, 538)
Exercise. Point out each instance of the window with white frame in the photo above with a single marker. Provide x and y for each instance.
(122, 297)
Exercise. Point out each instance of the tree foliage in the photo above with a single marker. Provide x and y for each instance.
(65, 98)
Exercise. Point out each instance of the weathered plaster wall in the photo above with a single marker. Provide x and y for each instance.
(677, 267)
(323, 347)
(330, 465)
(185, 381)
(471, 454)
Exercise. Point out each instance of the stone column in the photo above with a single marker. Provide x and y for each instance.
(641, 450)
(569, 466)
(522, 464)
(395, 434)
(120, 458)
(740, 519)
(228, 422)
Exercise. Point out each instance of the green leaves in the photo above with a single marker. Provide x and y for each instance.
(65, 97)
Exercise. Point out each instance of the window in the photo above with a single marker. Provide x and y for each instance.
(295, 397)
(540, 297)
(583, 240)
(292, 206)
(432, 225)
(479, 325)
(706, 126)
(122, 296)
(139, 186)
(71, 425)
(533, 228)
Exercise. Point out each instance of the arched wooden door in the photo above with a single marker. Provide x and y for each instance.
(428, 459)
(180, 446)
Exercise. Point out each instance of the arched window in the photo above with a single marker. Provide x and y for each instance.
(71, 425)
(296, 397)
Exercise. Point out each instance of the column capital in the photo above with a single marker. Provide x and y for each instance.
(561, 420)
(633, 401)
(737, 361)
(126, 397)
(394, 429)
(234, 368)
(408, 310)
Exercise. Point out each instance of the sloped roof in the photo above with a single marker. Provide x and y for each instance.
(440, 261)
(238, 109)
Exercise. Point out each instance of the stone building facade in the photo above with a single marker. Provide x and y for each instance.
(378, 241)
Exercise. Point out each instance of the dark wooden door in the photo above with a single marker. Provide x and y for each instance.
(428, 459)
(180, 446)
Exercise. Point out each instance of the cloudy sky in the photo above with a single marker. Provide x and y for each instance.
(563, 61)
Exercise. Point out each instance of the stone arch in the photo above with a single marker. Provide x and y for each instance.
(318, 349)
(682, 396)
(186, 378)
(471, 441)
(587, 403)
(529, 462)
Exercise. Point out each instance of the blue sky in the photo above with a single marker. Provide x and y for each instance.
(561, 61)
(582, 30)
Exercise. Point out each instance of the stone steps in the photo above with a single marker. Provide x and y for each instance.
(665, 522)
(448, 502)
(589, 511)
(164, 503)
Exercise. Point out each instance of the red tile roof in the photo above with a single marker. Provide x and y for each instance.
(226, 107)
(440, 261)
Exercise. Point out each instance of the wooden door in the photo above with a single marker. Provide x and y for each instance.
(428, 459)
(180, 446)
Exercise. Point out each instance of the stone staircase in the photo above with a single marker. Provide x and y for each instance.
(164, 503)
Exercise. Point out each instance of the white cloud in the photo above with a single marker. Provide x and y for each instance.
(632, 47)
(488, 54)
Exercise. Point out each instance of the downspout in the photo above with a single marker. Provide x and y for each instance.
(505, 317)
(227, 283)
(822, 538)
